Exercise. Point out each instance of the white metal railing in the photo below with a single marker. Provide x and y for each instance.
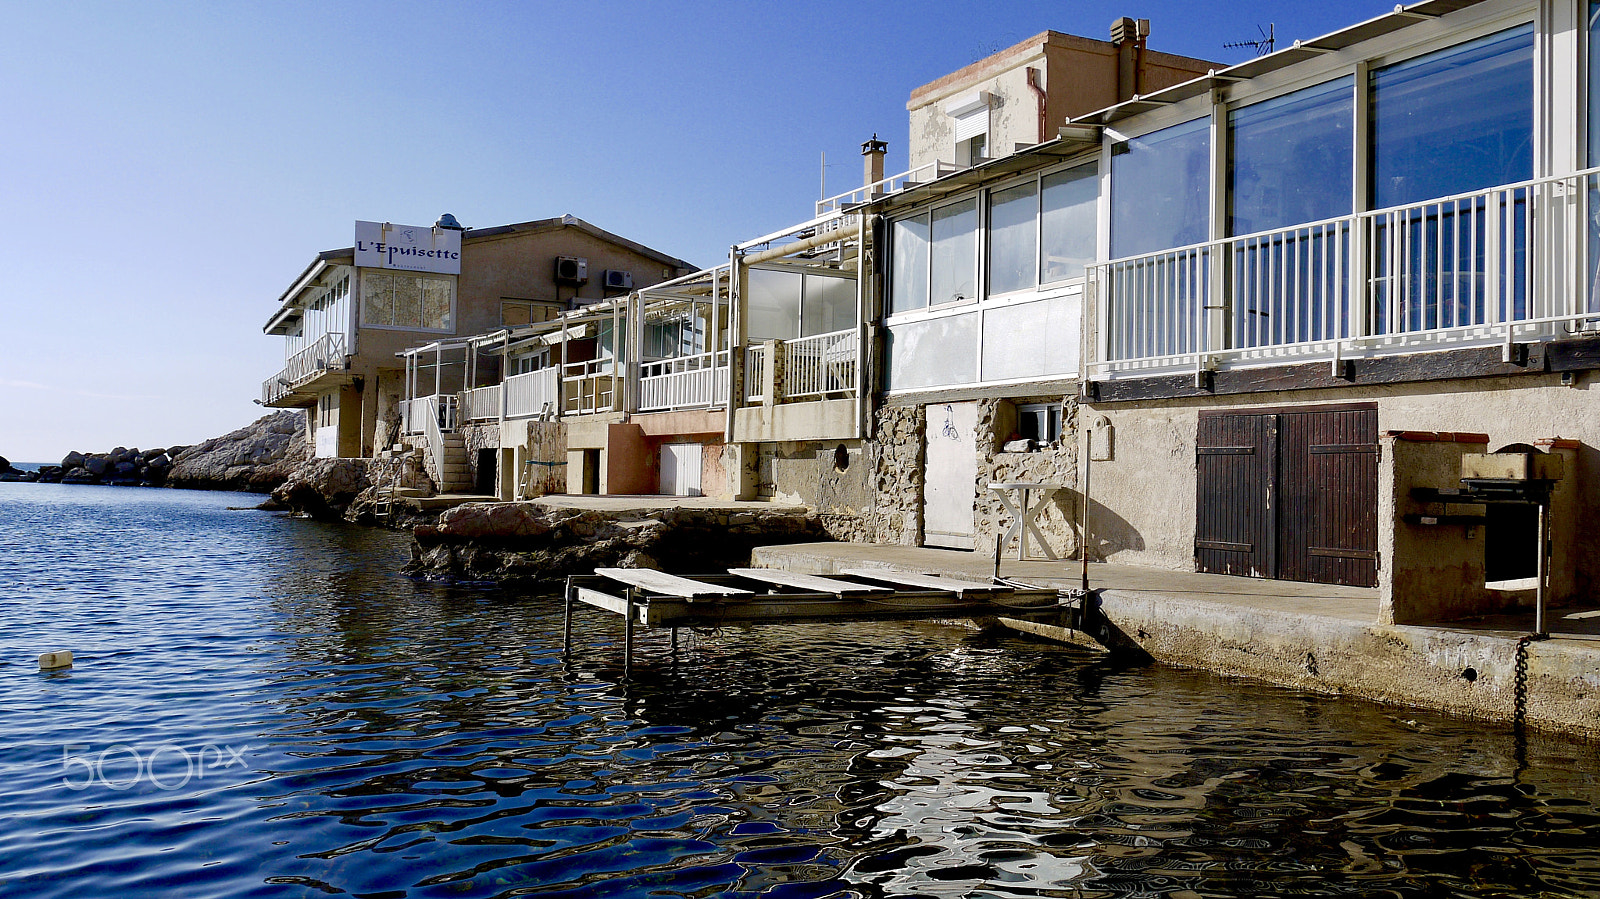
(684, 382)
(326, 354)
(1482, 268)
(481, 403)
(589, 387)
(819, 365)
(439, 411)
(755, 373)
(531, 394)
(889, 185)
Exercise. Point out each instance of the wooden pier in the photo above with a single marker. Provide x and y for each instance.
(748, 596)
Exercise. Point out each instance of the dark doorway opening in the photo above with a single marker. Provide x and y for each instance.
(487, 482)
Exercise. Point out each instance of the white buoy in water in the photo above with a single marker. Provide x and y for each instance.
(49, 660)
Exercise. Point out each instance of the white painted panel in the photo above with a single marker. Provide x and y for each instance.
(1032, 340)
(680, 469)
(327, 441)
(948, 494)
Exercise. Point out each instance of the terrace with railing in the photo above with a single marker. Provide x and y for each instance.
(699, 381)
(1491, 267)
(815, 367)
(326, 354)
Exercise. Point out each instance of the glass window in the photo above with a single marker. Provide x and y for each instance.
(773, 305)
(1291, 158)
(830, 305)
(1067, 222)
(908, 286)
(934, 352)
(1594, 83)
(954, 278)
(395, 300)
(1160, 189)
(1013, 237)
(1454, 121)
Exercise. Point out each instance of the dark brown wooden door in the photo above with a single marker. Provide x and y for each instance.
(1289, 494)
(1235, 459)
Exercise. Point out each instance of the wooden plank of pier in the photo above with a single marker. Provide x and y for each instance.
(925, 581)
(660, 582)
(807, 582)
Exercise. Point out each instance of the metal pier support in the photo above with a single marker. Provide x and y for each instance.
(627, 637)
(566, 621)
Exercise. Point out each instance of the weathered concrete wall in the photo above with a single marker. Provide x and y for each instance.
(1142, 502)
(630, 468)
(821, 420)
(1457, 672)
(1078, 74)
(832, 478)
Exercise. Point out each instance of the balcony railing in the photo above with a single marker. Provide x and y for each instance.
(820, 365)
(686, 382)
(532, 394)
(1489, 267)
(425, 413)
(589, 387)
(481, 403)
(755, 373)
(889, 185)
(326, 354)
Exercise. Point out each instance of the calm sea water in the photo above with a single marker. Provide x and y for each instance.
(263, 707)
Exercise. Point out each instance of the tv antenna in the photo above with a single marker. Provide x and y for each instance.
(1263, 45)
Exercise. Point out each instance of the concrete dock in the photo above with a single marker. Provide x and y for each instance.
(1316, 637)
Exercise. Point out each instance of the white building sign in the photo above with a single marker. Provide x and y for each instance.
(413, 248)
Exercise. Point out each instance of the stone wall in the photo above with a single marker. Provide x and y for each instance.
(1054, 464)
(481, 437)
(897, 475)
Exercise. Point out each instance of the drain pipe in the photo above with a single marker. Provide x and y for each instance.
(1038, 93)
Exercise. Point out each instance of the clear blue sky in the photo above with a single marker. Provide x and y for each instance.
(169, 168)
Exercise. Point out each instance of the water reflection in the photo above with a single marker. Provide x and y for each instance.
(407, 739)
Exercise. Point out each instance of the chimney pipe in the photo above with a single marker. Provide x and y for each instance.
(873, 152)
(1128, 35)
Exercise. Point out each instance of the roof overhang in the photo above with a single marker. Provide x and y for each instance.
(1073, 140)
(1300, 51)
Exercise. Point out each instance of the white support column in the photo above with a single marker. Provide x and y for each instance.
(1361, 231)
(1216, 298)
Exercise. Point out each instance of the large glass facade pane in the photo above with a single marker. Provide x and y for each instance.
(773, 305)
(1013, 238)
(377, 298)
(407, 301)
(830, 305)
(1291, 158)
(908, 285)
(954, 278)
(1453, 121)
(1593, 157)
(1067, 222)
(435, 303)
(1161, 189)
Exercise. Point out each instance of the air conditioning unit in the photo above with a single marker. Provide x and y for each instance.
(572, 270)
(618, 280)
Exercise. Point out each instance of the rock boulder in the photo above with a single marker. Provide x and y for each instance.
(257, 458)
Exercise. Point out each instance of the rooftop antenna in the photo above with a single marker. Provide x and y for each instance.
(1262, 46)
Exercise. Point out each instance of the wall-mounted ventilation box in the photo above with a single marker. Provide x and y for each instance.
(572, 270)
(618, 280)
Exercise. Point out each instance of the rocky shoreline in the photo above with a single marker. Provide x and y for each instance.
(532, 540)
(254, 459)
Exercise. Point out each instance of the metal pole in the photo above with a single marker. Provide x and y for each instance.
(1083, 529)
(627, 639)
(1539, 626)
(566, 621)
